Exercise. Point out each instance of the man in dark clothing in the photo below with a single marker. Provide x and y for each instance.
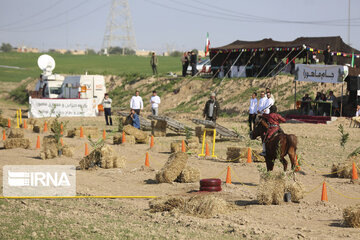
(306, 104)
(154, 63)
(185, 63)
(193, 59)
(328, 59)
(212, 108)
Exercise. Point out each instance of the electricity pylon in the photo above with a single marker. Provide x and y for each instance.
(119, 30)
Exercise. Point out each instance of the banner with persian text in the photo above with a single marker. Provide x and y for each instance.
(40, 107)
(321, 73)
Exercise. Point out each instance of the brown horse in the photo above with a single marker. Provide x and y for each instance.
(288, 144)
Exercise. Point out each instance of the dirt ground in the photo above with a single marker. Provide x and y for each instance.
(318, 147)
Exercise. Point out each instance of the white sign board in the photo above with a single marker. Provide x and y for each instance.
(321, 73)
(358, 92)
(40, 108)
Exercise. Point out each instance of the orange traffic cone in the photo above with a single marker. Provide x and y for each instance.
(152, 141)
(324, 196)
(249, 156)
(123, 140)
(207, 152)
(147, 164)
(25, 125)
(228, 175)
(86, 149)
(354, 172)
(61, 142)
(81, 132)
(183, 146)
(62, 129)
(4, 135)
(104, 134)
(45, 127)
(9, 123)
(38, 142)
(297, 167)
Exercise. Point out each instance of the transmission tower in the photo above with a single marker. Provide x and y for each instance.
(119, 30)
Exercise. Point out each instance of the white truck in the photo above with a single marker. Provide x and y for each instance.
(84, 86)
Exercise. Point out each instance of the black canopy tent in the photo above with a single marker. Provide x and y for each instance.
(258, 52)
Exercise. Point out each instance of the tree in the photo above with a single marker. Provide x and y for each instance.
(195, 51)
(6, 47)
(90, 52)
(119, 50)
(176, 54)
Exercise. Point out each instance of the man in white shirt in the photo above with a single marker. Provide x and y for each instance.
(136, 103)
(262, 103)
(269, 103)
(272, 96)
(155, 101)
(253, 110)
(106, 102)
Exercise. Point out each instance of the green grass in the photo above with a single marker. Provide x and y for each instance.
(93, 64)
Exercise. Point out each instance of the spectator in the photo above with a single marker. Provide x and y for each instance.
(357, 115)
(185, 63)
(212, 108)
(135, 119)
(154, 63)
(106, 102)
(328, 59)
(193, 63)
(136, 103)
(335, 105)
(253, 110)
(272, 96)
(269, 103)
(262, 103)
(155, 101)
(306, 104)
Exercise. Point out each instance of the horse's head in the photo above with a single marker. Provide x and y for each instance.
(259, 128)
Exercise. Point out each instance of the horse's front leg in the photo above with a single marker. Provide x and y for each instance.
(269, 163)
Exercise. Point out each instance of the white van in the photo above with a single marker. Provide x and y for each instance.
(50, 86)
(84, 86)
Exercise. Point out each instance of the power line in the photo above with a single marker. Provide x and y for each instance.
(250, 18)
(33, 15)
(63, 23)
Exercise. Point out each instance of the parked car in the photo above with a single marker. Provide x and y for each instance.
(203, 66)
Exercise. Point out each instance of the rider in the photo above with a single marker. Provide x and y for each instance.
(274, 121)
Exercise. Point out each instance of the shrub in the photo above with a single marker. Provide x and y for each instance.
(20, 95)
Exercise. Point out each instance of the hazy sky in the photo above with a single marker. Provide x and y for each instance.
(175, 24)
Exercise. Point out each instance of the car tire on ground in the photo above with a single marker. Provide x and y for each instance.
(210, 182)
(210, 189)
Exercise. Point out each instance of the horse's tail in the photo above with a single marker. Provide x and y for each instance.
(292, 140)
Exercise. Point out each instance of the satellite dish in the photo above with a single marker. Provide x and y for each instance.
(46, 63)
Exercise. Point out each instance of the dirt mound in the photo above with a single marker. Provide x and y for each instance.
(172, 168)
(352, 216)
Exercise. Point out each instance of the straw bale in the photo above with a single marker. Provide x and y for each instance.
(104, 157)
(271, 188)
(17, 143)
(351, 216)
(140, 136)
(158, 128)
(297, 190)
(68, 151)
(166, 204)
(16, 133)
(117, 139)
(50, 148)
(206, 206)
(176, 146)
(189, 175)
(172, 168)
(93, 132)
